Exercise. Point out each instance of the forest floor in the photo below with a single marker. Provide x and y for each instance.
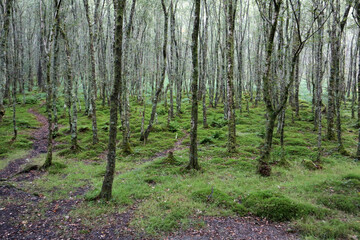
(153, 199)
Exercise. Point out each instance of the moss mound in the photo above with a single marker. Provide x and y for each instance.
(277, 207)
(56, 167)
(219, 199)
(343, 203)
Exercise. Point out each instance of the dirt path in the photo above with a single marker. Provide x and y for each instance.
(236, 228)
(39, 146)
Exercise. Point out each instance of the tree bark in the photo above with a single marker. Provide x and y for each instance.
(93, 71)
(106, 190)
(144, 136)
(231, 144)
(193, 156)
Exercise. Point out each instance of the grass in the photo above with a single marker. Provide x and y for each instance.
(321, 204)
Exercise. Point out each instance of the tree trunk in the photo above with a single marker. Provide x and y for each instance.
(49, 93)
(93, 71)
(145, 135)
(4, 55)
(231, 144)
(193, 156)
(106, 190)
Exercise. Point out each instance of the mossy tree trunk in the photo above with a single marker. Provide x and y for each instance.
(335, 70)
(70, 98)
(49, 92)
(231, 10)
(4, 49)
(106, 190)
(357, 14)
(264, 168)
(318, 84)
(193, 156)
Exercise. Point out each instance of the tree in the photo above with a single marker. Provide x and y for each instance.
(49, 93)
(4, 49)
(193, 157)
(144, 135)
(231, 144)
(93, 66)
(106, 189)
(357, 16)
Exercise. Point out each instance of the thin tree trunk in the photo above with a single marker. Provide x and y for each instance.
(93, 71)
(193, 156)
(106, 190)
(145, 135)
(49, 93)
(231, 144)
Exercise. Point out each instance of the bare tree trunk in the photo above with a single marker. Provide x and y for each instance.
(193, 156)
(93, 71)
(145, 135)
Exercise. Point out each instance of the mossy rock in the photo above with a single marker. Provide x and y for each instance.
(279, 208)
(219, 199)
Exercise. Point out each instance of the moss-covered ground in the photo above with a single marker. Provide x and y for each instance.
(319, 204)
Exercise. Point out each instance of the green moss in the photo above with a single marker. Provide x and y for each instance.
(219, 199)
(206, 140)
(277, 207)
(343, 203)
(56, 167)
(331, 229)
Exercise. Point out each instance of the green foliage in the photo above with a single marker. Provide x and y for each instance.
(173, 127)
(218, 122)
(31, 100)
